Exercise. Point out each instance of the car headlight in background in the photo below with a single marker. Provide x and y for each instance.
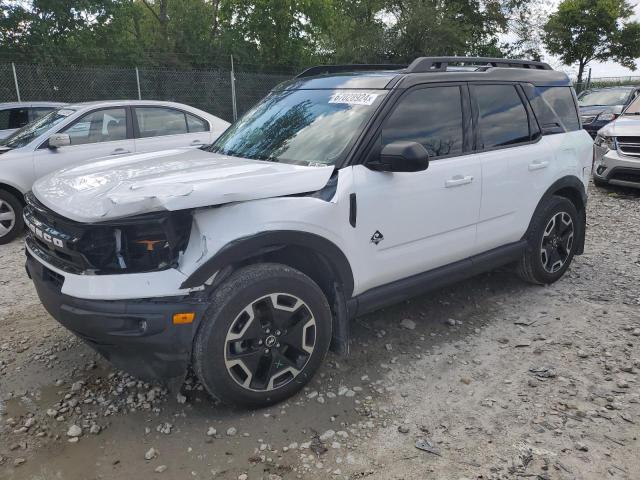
(607, 117)
(606, 142)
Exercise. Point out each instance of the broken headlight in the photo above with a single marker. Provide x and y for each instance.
(137, 244)
(606, 142)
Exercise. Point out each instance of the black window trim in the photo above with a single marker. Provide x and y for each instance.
(60, 129)
(368, 143)
(476, 117)
(136, 126)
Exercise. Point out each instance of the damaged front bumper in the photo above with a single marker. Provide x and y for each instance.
(137, 336)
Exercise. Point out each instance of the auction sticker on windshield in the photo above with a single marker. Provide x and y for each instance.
(354, 98)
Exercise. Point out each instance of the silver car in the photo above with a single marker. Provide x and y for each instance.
(84, 132)
(617, 150)
(15, 115)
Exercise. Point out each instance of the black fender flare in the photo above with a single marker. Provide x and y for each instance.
(263, 242)
(562, 185)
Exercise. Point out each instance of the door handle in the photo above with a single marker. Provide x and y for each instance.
(197, 142)
(119, 151)
(458, 180)
(538, 165)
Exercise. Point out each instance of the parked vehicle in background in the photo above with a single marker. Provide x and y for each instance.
(600, 106)
(617, 150)
(341, 192)
(16, 115)
(87, 131)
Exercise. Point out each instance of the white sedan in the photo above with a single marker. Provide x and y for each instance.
(83, 132)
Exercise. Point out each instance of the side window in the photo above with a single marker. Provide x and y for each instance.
(100, 126)
(159, 121)
(195, 124)
(430, 116)
(13, 118)
(37, 112)
(502, 117)
(555, 106)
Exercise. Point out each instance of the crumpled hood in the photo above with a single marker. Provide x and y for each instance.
(624, 126)
(169, 180)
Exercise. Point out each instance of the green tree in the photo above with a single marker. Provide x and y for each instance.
(582, 31)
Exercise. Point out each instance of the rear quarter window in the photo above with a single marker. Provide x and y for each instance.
(554, 107)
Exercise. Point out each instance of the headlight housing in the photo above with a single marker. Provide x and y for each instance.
(607, 142)
(607, 117)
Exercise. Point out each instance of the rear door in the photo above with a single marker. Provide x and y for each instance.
(98, 133)
(160, 128)
(517, 166)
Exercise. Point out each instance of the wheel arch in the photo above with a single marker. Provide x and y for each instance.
(571, 188)
(13, 191)
(315, 256)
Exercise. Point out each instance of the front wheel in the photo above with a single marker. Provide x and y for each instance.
(552, 239)
(264, 336)
(11, 223)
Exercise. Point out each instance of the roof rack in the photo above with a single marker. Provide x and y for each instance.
(323, 69)
(440, 64)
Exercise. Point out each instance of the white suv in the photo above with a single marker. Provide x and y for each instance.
(344, 190)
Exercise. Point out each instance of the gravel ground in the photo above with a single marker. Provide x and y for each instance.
(491, 379)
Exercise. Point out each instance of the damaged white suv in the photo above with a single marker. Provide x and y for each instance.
(344, 190)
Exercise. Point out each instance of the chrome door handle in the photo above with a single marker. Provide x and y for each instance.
(458, 180)
(119, 151)
(538, 165)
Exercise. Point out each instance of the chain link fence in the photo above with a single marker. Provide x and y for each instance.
(607, 82)
(209, 90)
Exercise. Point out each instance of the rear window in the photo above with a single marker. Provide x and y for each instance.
(13, 118)
(503, 119)
(554, 107)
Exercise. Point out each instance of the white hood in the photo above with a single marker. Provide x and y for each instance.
(169, 180)
(624, 126)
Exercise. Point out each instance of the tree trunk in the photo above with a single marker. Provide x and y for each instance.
(214, 23)
(581, 67)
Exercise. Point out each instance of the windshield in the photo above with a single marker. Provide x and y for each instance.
(633, 108)
(305, 127)
(33, 130)
(608, 97)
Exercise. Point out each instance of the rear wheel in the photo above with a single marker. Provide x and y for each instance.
(265, 335)
(552, 239)
(11, 222)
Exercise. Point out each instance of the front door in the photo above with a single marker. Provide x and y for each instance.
(408, 223)
(97, 134)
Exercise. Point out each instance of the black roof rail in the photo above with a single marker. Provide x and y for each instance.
(440, 64)
(323, 69)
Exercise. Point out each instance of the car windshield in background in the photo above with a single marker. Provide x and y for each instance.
(305, 127)
(33, 130)
(633, 108)
(608, 97)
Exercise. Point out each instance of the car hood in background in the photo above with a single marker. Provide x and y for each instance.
(169, 180)
(624, 126)
(591, 111)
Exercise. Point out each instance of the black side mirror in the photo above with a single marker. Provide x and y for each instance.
(400, 157)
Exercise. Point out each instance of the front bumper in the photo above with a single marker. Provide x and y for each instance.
(137, 336)
(611, 167)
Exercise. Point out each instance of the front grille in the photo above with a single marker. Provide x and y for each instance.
(626, 175)
(629, 146)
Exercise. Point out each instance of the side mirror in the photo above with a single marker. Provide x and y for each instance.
(401, 157)
(59, 140)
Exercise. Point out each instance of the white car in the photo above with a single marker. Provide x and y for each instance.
(15, 115)
(87, 131)
(341, 192)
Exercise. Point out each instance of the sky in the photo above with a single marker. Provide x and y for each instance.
(598, 69)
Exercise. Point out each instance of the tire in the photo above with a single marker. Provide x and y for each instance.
(11, 221)
(266, 333)
(551, 245)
